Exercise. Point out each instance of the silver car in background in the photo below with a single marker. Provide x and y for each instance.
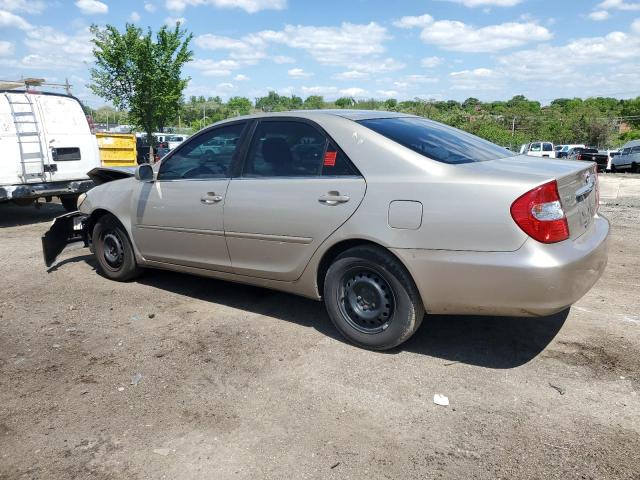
(382, 215)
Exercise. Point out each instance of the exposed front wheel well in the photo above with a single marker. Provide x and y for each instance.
(94, 217)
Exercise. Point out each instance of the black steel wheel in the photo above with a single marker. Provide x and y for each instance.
(113, 250)
(371, 298)
(366, 300)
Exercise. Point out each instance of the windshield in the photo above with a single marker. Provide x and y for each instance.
(436, 141)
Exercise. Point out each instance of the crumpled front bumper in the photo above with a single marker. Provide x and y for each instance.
(65, 229)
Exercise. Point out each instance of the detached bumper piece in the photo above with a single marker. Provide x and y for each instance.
(49, 189)
(66, 229)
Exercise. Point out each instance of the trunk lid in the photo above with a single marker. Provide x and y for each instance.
(577, 183)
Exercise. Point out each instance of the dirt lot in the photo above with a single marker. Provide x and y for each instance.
(240, 382)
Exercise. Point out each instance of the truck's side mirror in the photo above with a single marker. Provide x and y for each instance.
(144, 173)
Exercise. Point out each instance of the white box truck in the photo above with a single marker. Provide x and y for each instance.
(46, 148)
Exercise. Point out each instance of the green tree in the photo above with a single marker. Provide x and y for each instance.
(313, 102)
(239, 106)
(140, 73)
(345, 102)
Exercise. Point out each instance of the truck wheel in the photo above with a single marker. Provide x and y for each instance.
(372, 299)
(113, 250)
(70, 202)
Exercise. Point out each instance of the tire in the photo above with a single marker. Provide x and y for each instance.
(634, 168)
(372, 299)
(70, 202)
(113, 250)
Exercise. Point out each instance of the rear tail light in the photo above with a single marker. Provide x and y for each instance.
(579, 157)
(540, 215)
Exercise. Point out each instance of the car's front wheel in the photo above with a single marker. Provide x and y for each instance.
(372, 299)
(113, 250)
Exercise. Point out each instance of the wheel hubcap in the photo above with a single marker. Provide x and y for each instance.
(113, 249)
(366, 300)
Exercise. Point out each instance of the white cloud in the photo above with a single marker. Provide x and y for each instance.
(134, 17)
(171, 21)
(460, 37)
(150, 7)
(299, 73)
(6, 48)
(211, 68)
(280, 59)
(351, 75)
(241, 78)
(412, 22)
(388, 93)
(476, 79)
(345, 45)
(431, 62)
(8, 19)
(91, 7)
(319, 90)
(250, 6)
(487, 3)
(356, 47)
(599, 15)
(26, 6)
(353, 92)
(619, 5)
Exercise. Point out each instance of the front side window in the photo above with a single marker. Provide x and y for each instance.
(535, 147)
(436, 141)
(209, 155)
(635, 149)
(293, 149)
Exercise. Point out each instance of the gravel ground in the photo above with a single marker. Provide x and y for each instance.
(241, 382)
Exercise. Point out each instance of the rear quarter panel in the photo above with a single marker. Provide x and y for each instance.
(463, 209)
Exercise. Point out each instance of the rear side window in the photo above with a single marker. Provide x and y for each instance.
(294, 149)
(436, 141)
(635, 149)
(547, 147)
(67, 154)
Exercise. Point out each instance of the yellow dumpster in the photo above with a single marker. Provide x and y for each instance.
(117, 149)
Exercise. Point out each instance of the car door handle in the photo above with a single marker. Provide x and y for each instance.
(210, 198)
(333, 198)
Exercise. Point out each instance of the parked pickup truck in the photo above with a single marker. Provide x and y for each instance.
(589, 155)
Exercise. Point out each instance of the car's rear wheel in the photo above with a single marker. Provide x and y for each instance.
(113, 250)
(372, 299)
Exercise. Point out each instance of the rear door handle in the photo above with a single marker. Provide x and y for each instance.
(210, 198)
(333, 198)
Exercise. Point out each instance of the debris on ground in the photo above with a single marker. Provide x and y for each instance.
(152, 315)
(136, 379)
(162, 451)
(334, 465)
(561, 390)
(440, 399)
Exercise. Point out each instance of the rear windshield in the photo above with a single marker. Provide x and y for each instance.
(590, 150)
(436, 141)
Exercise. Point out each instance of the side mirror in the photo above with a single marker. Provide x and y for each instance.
(144, 173)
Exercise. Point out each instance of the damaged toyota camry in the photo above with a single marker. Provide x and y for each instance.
(383, 216)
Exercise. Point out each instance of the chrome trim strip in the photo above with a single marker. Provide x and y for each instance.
(219, 233)
(270, 238)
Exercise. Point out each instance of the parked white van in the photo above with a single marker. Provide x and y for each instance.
(628, 158)
(46, 148)
(538, 149)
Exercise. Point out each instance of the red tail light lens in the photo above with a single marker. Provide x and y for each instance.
(579, 157)
(540, 215)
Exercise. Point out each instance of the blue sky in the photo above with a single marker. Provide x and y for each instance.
(439, 49)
